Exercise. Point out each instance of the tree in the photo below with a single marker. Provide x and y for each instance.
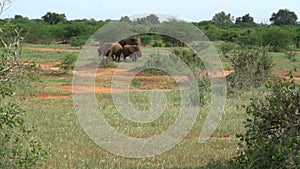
(53, 18)
(125, 19)
(148, 20)
(17, 148)
(278, 39)
(297, 38)
(284, 17)
(244, 19)
(222, 18)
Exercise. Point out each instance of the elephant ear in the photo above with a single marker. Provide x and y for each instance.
(136, 48)
(132, 49)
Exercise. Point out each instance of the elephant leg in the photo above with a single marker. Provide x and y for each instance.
(135, 57)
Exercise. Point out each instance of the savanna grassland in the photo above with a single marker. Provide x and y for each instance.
(258, 129)
(49, 106)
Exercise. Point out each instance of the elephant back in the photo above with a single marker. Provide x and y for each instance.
(130, 41)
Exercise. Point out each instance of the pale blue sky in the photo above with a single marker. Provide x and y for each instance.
(189, 10)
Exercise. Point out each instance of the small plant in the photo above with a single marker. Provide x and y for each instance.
(107, 62)
(291, 55)
(135, 83)
(158, 43)
(225, 48)
(68, 62)
(77, 41)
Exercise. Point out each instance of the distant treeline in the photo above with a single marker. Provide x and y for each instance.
(282, 33)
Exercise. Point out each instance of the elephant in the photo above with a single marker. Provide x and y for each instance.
(104, 49)
(113, 50)
(133, 51)
(130, 41)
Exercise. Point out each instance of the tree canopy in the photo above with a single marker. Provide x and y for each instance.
(244, 19)
(222, 18)
(284, 17)
(53, 18)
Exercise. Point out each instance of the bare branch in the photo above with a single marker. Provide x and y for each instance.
(10, 69)
(4, 5)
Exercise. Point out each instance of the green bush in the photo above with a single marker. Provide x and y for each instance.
(158, 43)
(17, 147)
(146, 39)
(68, 62)
(107, 62)
(278, 39)
(291, 55)
(226, 47)
(77, 41)
(272, 139)
(252, 67)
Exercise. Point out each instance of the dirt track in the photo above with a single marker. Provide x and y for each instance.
(150, 81)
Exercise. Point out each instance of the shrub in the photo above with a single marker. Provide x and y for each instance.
(226, 47)
(278, 39)
(68, 62)
(272, 139)
(77, 41)
(290, 55)
(17, 148)
(146, 39)
(107, 62)
(158, 43)
(252, 67)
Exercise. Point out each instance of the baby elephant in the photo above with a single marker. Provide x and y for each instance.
(115, 52)
(133, 51)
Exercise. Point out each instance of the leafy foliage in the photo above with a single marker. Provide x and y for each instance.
(17, 148)
(284, 17)
(148, 20)
(277, 39)
(68, 62)
(273, 128)
(53, 18)
(245, 19)
(222, 18)
(252, 67)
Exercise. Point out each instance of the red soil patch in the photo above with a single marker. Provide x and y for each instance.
(79, 89)
(51, 96)
(227, 72)
(48, 66)
(296, 78)
(105, 75)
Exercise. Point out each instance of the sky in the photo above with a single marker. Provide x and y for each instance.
(188, 10)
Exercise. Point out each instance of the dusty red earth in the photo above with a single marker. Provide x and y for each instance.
(105, 75)
(51, 96)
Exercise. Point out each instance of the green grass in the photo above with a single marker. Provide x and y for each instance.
(44, 56)
(282, 65)
(71, 148)
(54, 46)
(58, 126)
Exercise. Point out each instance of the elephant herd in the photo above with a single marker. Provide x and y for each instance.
(128, 47)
